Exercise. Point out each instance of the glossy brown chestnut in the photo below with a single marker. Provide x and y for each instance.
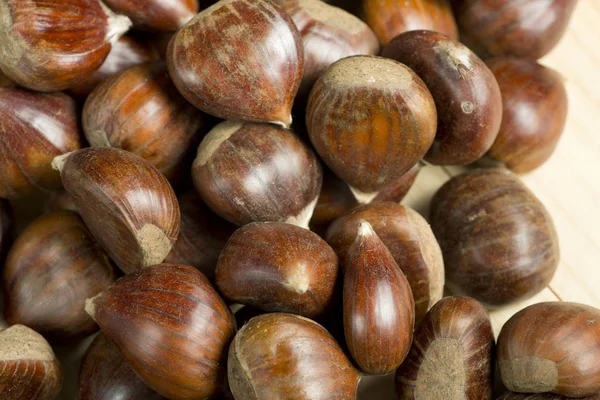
(283, 356)
(370, 119)
(29, 368)
(50, 45)
(6, 228)
(140, 110)
(552, 347)
(498, 240)
(278, 267)
(541, 396)
(60, 200)
(53, 267)
(252, 68)
(250, 172)
(524, 29)
(535, 105)
(409, 239)
(466, 94)
(172, 328)
(452, 354)
(36, 127)
(156, 15)
(127, 204)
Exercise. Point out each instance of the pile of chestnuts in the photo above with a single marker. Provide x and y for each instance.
(219, 188)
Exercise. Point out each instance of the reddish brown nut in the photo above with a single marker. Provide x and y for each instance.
(284, 356)
(252, 68)
(60, 200)
(396, 191)
(552, 347)
(370, 119)
(535, 105)
(466, 94)
(251, 172)
(50, 45)
(36, 127)
(6, 228)
(156, 15)
(541, 396)
(140, 110)
(452, 354)
(127, 204)
(498, 240)
(172, 328)
(409, 239)
(29, 368)
(278, 267)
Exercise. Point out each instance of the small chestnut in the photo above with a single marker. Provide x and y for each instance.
(156, 15)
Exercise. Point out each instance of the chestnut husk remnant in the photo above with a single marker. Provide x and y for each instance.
(499, 242)
(156, 15)
(542, 396)
(452, 354)
(552, 347)
(171, 326)
(6, 228)
(282, 356)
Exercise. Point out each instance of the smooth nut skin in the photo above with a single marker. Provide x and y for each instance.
(535, 103)
(156, 15)
(278, 267)
(52, 268)
(552, 347)
(172, 328)
(370, 119)
(250, 41)
(451, 356)
(127, 204)
(466, 94)
(409, 239)
(140, 110)
(541, 396)
(49, 45)
(36, 127)
(6, 228)
(249, 172)
(29, 368)
(499, 242)
(283, 356)
(524, 29)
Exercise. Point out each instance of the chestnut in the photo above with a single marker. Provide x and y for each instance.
(156, 15)
(250, 172)
(283, 356)
(551, 347)
(278, 267)
(396, 191)
(498, 240)
(60, 200)
(171, 327)
(48, 45)
(452, 354)
(466, 94)
(370, 119)
(6, 228)
(535, 105)
(36, 127)
(541, 396)
(126, 203)
(252, 68)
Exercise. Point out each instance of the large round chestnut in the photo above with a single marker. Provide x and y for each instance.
(534, 102)
(498, 240)
(156, 15)
(466, 94)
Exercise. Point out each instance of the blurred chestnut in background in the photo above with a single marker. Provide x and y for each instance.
(452, 354)
(60, 200)
(156, 15)
(525, 29)
(36, 127)
(535, 105)
(172, 328)
(282, 356)
(6, 228)
(466, 94)
(541, 396)
(251, 172)
(278, 267)
(239, 59)
(498, 240)
(552, 347)
(127, 204)
(50, 45)
(370, 119)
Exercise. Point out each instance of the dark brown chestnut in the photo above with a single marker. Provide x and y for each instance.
(6, 228)
(156, 15)
(283, 356)
(498, 240)
(452, 354)
(541, 396)
(535, 105)
(172, 328)
(466, 94)
(552, 347)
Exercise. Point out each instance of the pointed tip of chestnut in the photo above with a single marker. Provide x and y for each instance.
(364, 229)
(117, 24)
(58, 162)
(90, 306)
(303, 218)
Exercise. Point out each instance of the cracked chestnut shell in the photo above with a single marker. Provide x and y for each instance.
(156, 15)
